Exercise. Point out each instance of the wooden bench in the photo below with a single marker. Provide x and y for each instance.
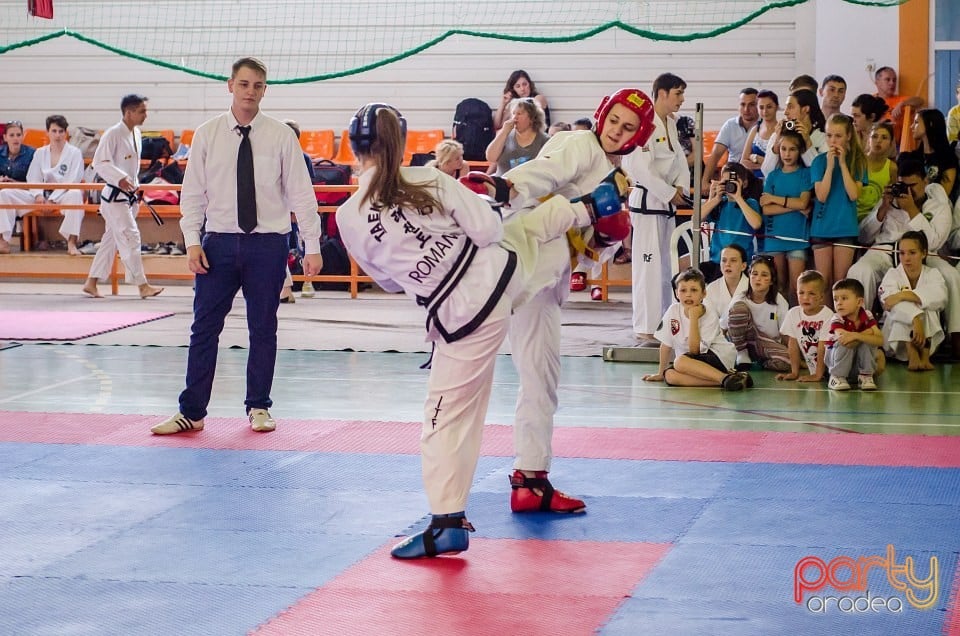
(353, 279)
(37, 211)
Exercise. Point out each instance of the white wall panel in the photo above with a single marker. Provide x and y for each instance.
(85, 82)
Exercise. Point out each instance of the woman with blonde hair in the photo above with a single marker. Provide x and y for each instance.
(521, 137)
(449, 159)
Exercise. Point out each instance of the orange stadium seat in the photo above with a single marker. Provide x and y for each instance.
(709, 138)
(344, 152)
(166, 134)
(35, 138)
(317, 143)
(186, 137)
(421, 141)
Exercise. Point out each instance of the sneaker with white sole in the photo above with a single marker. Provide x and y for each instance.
(838, 384)
(178, 423)
(866, 382)
(261, 421)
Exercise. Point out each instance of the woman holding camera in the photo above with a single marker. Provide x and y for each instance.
(802, 114)
(735, 212)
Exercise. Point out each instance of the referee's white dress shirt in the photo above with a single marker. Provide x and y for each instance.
(283, 185)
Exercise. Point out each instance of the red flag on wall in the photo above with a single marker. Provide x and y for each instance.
(40, 8)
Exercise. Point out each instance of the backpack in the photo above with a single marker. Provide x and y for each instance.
(473, 127)
(154, 147)
(328, 173)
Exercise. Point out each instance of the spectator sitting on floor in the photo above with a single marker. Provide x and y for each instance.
(916, 205)
(913, 296)
(755, 318)
(733, 264)
(690, 334)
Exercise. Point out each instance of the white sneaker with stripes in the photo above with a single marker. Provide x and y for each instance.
(178, 423)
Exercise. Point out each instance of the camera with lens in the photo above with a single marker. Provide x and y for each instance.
(899, 189)
(790, 124)
(730, 185)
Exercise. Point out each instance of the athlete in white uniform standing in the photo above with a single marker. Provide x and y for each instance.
(117, 161)
(659, 169)
(571, 164)
(419, 231)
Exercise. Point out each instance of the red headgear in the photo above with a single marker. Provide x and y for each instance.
(637, 101)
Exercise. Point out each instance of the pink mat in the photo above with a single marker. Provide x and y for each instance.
(69, 325)
(357, 436)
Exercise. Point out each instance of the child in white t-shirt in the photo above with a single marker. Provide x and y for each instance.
(807, 327)
(754, 319)
(733, 263)
(693, 351)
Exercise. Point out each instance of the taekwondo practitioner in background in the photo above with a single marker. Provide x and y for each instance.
(659, 169)
(117, 161)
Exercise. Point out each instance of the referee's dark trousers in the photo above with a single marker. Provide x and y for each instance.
(255, 263)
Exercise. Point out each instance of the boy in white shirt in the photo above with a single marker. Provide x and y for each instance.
(807, 327)
(690, 335)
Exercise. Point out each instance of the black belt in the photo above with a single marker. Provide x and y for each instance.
(667, 213)
(643, 209)
(450, 281)
(115, 194)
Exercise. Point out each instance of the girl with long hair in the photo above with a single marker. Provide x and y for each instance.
(838, 177)
(786, 206)
(881, 170)
(518, 86)
(754, 319)
(929, 129)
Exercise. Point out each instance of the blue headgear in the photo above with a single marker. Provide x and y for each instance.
(363, 127)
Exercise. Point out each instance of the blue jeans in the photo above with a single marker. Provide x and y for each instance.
(256, 264)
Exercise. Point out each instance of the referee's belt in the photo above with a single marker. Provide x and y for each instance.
(654, 212)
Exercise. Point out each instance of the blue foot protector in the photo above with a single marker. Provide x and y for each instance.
(446, 534)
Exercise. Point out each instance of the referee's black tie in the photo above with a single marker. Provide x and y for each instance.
(246, 187)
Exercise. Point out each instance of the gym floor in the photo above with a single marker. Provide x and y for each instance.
(708, 512)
